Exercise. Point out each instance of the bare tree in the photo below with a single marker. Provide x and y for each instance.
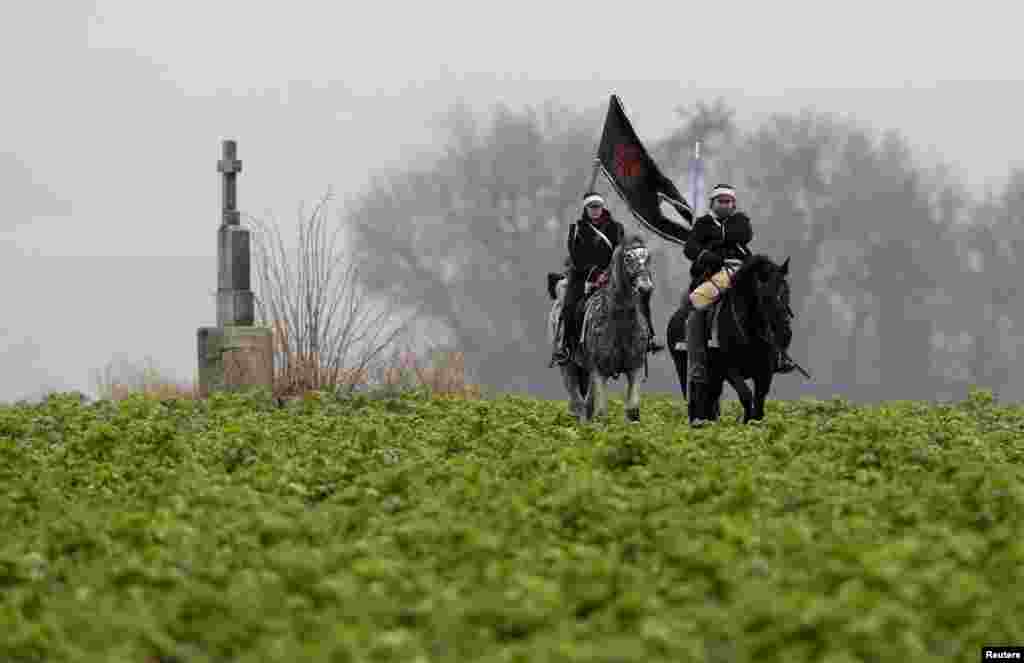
(465, 237)
(327, 331)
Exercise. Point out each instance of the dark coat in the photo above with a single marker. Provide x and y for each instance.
(709, 235)
(591, 244)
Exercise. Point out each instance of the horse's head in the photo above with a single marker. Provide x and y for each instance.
(632, 267)
(771, 288)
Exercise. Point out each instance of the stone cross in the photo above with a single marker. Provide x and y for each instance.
(229, 166)
(234, 353)
(234, 296)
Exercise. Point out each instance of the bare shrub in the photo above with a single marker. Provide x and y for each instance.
(327, 331)
(443, 373)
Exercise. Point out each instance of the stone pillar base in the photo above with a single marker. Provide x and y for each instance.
(234, 357)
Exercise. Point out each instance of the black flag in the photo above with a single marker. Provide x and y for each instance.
(637, 179)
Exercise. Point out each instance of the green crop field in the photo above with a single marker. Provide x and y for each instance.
(422, 529)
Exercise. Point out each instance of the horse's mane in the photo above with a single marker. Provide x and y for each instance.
(752, 266)
(744, 287)
(617, 269)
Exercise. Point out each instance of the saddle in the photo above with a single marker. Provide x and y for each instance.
(596, 279)
(557, 283)
(715, 309)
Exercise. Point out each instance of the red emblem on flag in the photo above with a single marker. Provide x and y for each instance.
(627, 161)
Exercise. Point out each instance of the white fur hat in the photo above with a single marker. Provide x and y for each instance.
(722, 190)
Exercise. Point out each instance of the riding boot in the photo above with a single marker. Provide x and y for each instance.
(696, 345)
(561, 354)
(572, 334)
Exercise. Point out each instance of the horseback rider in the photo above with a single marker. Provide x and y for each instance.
(716, 247)
(591, 241)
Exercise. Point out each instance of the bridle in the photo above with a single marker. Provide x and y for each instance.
(635, 263)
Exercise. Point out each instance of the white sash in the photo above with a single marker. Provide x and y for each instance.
(602, 236)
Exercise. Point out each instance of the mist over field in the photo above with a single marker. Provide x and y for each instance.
(888, 174)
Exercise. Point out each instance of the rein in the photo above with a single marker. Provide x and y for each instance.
(617, 288)
(768, 337)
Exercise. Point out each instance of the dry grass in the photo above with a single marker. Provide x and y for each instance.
(441, 373)
(297, 373)
(121, 378)
(160, 392)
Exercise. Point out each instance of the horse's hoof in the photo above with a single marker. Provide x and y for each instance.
(633, 414)
(699, 423)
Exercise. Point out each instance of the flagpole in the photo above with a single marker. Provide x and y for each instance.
(695, 193)
(593, 175)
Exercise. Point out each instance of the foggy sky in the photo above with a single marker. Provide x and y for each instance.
(114, 111)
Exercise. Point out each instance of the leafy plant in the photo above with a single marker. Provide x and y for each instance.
(419, 528)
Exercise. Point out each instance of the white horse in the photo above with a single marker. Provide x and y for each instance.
(614, 336)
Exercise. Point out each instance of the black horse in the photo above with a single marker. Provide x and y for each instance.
(754, 321)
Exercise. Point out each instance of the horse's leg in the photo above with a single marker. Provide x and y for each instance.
(583, 390)
(735, 378)
(716, 387)
(633, 396)
(580, 393)
(599, 385)
(589, 403)
(594, 394)
(679, 359)
(762, 385)
(673, 335)
(571, 388)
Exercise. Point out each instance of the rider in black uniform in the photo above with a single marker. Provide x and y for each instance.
(592, 240)
(718, 237)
